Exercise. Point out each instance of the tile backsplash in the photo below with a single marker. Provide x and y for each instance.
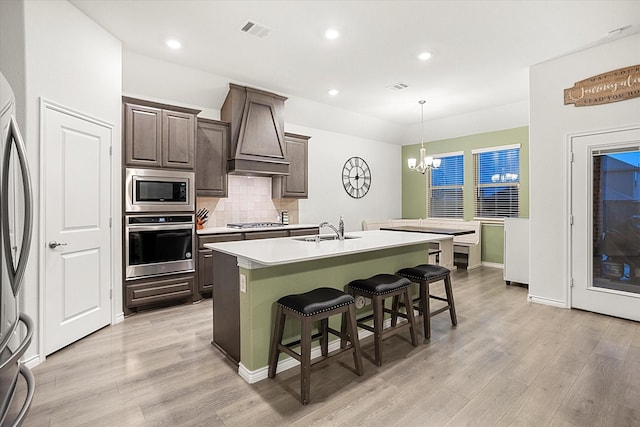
(249, 200)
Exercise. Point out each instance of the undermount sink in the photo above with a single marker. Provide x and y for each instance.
(322, 237)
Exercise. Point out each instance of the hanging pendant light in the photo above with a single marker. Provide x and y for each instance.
(426, 162)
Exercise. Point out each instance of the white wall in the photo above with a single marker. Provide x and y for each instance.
(550, 124)
(333, 139)
(72, 61)
(328, 151)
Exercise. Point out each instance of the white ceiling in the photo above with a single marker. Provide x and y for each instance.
(481, 49)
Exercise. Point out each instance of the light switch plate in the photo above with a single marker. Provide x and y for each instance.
(243, 283)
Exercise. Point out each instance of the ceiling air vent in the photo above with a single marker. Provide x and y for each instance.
(254, 29)
(397, 86)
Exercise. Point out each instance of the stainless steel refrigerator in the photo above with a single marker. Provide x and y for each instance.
(16, 220)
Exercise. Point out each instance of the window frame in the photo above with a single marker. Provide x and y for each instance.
(477, 185)
(430, 186)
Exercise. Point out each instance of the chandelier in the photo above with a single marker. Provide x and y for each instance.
(426, 162)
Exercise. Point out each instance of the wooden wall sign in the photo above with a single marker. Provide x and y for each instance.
(612, 86)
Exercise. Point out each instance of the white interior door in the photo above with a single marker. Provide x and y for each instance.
(77, 206)
(605, 235)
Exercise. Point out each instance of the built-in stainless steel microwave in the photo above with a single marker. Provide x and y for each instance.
(159, 190)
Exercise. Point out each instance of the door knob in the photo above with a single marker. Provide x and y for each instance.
(55, 244)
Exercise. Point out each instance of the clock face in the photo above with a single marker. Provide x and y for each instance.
(356, 177)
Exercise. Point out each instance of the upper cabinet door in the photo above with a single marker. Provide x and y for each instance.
(143, 132)
(296, 183)
(178, 139)
(159, 135)
(211, 158)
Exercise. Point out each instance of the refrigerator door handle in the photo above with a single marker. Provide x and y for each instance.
(16, 274)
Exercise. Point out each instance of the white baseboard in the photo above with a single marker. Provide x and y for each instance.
(261, 373)
(547, 301)
(492, 264)
(32, 362)
(119, 318)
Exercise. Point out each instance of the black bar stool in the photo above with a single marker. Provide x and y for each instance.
(378, 288)
(425, 274)
(316, 305)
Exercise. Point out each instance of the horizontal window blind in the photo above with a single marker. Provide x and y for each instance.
(445, 189)
(497, 182)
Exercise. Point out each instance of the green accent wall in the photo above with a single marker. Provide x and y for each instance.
(414, 185)
(492, 243)
(266, 285)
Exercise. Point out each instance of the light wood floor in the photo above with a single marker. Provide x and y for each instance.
(508, 363)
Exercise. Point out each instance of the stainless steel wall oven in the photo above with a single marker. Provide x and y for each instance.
(158, 244)
(157, 190)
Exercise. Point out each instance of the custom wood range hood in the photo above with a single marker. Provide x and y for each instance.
(257, 132)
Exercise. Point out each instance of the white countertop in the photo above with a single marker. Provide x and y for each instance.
(268, 252)
(221, 230)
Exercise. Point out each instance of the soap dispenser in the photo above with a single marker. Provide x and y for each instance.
(341, 229)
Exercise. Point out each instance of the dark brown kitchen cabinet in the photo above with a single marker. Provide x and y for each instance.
(255, 235)
(294, 185)
(304, 231)
(158, 135)
(205, 271)
(142, 135)
(204, 265)
(211, 158)
(145, 292)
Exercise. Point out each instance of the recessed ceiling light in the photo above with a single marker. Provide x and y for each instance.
(334, 92)
(424, 56)
(331, 34)
(174, 44)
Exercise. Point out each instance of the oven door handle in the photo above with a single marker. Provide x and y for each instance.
(183, 226)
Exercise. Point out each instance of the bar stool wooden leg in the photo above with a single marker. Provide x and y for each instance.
(395, 306)
(343, 329)
(452, 306)
(352, 330)
(305, 362)
(274, 352)
(426, 308)
(378, 320)
(324, 340)
(408, 304)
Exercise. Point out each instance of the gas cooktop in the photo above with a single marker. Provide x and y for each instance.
(255, 225)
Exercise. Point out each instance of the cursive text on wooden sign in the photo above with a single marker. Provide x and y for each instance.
(605, 88)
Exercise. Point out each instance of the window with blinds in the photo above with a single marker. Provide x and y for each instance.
(445, 189)
(497, 182)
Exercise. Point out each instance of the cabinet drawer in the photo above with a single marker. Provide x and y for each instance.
(159, 290)
(217, 238)
(304, 232)
(265, 234)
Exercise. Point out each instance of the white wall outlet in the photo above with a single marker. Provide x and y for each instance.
(362, 301)
(243, 283)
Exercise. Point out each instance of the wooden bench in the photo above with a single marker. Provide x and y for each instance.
(467, 244)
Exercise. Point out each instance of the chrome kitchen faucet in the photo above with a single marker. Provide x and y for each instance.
(339, 232)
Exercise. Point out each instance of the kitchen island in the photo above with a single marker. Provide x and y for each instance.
(250, 276)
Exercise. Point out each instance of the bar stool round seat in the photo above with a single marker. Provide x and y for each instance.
(425, 274)
(316, 305)
(378, 288)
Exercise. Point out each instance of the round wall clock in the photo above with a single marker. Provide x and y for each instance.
(356, 177)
